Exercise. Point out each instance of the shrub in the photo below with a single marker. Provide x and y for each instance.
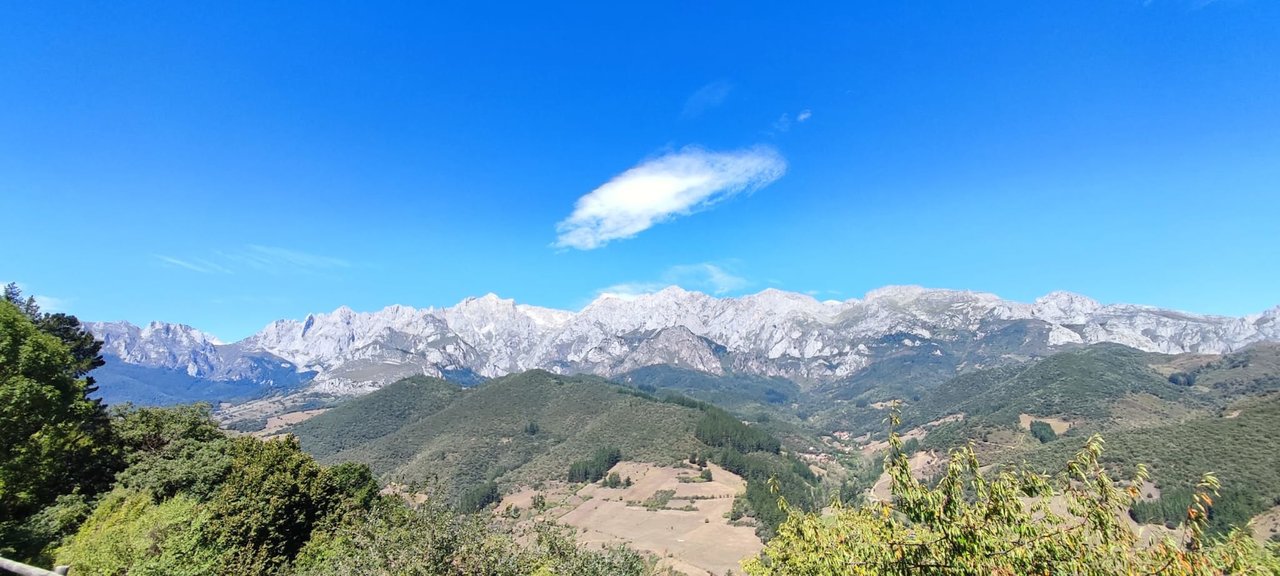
(1043, 431)
(971, 524)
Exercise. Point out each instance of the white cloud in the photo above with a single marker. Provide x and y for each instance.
(657, 190)
(804, 115)
(704, 277)
(706, 98)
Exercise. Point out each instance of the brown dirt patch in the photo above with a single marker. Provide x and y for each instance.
(923, 465)
(1266, 525)
(278, 423)
(690, 541)
(1059, 425)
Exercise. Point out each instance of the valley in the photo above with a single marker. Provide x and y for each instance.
(699, 470)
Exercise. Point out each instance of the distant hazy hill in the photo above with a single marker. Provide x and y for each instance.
(521, 428)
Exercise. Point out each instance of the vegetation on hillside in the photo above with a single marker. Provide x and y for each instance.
(1240, 450)
(376, 415)
(164, 491)
(152, 490)
(738, 392)
(1077, 385)
(484, 433)
(594, 468)
(972, 524)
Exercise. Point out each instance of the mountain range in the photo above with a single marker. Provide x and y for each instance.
(771, 334)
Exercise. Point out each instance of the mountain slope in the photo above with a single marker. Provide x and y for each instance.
(381, 413)
(521, 428)
(895, 338)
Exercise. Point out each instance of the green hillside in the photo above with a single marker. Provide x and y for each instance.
(357, 422)
(525, 427)
(1239, 447)
(1182, 416)
(741, 392)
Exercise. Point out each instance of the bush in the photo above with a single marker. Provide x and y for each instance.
(428, 538)
(129, 532)
(1043, 431)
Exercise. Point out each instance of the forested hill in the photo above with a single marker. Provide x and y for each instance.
(525, 427)
(363, 420)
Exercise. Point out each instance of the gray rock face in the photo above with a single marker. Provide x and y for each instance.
(773, 333)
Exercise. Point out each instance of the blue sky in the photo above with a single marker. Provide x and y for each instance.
(223, 164)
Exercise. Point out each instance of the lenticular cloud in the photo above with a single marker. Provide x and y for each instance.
(657, 190)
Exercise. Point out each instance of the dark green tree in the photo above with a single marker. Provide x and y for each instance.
(274, 496)
(1043, 431)
(53, 439)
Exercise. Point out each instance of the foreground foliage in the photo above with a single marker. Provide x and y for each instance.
(244, 506)
(54, 439)
(394, 538)
(1006, 524)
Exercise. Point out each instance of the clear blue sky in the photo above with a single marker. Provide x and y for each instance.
(224, 164)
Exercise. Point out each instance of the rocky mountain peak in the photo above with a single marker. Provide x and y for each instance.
(1065, 307)
(771, 333)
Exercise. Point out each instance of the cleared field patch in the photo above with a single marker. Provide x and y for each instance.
(923, 465)
(1266, 526)
(282, 421)
(689, 531)
(1059, 425)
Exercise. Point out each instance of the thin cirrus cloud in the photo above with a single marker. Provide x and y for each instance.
(255, 257)
(706, 98)
(784, 122)
(194, 265)
(663, 188)
(703, 277)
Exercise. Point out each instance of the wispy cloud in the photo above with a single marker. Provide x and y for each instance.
(194, 265)
(786, 121)
(46, 303)
(272, 257)
(657, 190)
(255, 257)
(706, 98)
(703, 277)
(783, 123)
(1189, 5)
(52, 303)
